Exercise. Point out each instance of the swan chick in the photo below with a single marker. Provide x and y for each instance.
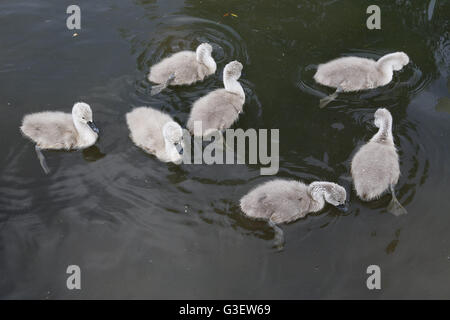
(349, 74)
(183, 68)
(156, 133)
(283, 201)
(58, 130)
(375, 167)
(219, 109)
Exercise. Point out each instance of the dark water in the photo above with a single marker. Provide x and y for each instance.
(139, 228)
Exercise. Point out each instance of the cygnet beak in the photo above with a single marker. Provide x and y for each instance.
(179, 148)
(342, 207)
(93, 126)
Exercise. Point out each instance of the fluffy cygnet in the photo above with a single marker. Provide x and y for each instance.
(354, 73)
(59, 130)
(156, 133)
(183, 68)
(219, 109)
(282, 201)
(375, 167)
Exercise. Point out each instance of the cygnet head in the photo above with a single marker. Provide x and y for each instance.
(204, 49)
(332, 193)
(82, 113)
(232, 70)
(382, 115)
(335, 195)
(204, 56)
(396, 60)
(401, 60)
(173, 136)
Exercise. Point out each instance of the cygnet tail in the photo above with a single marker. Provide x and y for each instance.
(160, 87)
(394, 206)
(323, 102)
(42, 160)
(279, 236)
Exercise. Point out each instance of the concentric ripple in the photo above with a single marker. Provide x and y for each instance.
(410, 80)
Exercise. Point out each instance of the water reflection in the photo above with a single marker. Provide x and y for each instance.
(92, 153)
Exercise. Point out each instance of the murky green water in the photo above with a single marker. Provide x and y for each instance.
(139, 228)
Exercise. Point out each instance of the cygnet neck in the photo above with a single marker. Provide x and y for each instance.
(384, 134)
(317, 191)
(210, 64)
(232, 85)
(206, 59)
(385, 67)
(86, 136)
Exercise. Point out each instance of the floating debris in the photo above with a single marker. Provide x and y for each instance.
(230, 14)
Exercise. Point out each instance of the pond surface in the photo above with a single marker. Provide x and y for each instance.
(140, 228)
